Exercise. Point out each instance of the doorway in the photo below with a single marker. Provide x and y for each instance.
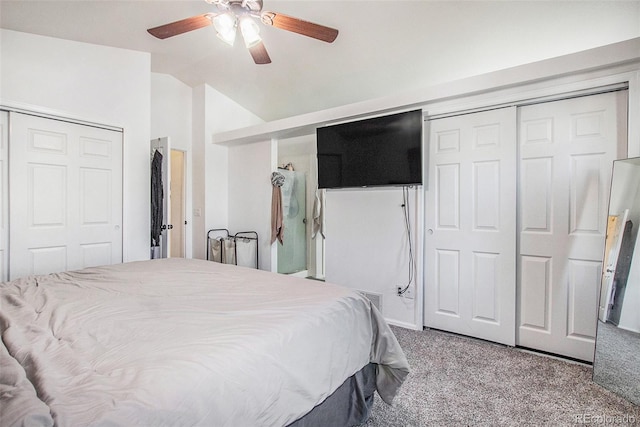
(292, 254)
(177, 204)
(168, 200)
(300, 154)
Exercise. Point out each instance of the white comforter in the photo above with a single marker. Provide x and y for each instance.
(182, 342)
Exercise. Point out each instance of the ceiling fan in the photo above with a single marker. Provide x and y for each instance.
(232, 14)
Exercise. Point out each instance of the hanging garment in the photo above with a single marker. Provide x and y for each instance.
(318, 214)
(277, 222)
(157, 196)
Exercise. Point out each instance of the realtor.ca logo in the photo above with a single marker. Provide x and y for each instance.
(622, 419)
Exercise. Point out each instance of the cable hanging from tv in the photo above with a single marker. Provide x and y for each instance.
(407, 223)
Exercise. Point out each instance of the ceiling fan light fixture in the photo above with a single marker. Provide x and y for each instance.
(225, 25)
(250, 31)
(232, 14)
(229, 37)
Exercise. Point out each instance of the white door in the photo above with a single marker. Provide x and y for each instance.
(163, 145)
(65, 196)
(470, 241)
(567, 149)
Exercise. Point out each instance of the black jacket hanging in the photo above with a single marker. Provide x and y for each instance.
(157, 194)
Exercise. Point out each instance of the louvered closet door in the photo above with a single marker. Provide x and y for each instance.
(567, 149)
(65, 187)
(470, 241)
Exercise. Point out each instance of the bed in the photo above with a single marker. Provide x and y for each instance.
(181, 342)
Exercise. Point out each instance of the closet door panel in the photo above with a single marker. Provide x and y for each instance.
(46, 197)
(65, 196)
(535, 288)
(447, 190)
(470, 221)
(486, 302)
(448, 283)
(567, 149)
(47, 259)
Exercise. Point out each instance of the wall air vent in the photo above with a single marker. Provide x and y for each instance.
(376, 299)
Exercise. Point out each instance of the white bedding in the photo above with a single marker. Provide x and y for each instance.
(183, 342)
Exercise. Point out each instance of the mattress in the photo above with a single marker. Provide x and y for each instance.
(177, 342)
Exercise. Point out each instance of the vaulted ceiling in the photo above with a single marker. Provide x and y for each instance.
(385, 47)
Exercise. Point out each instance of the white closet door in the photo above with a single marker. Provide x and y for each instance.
(567, 150)
(470, 241)
(65, 188)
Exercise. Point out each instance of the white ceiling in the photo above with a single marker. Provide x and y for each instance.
(385, 47)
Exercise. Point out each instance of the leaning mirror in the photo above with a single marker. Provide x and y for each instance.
(616, 364)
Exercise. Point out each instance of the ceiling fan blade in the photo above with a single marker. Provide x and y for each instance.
(299, 26)
(259, 54)
(180, 27)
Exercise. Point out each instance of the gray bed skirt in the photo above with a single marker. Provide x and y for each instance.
(349, 405)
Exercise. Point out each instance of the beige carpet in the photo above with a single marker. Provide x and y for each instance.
(459, 381)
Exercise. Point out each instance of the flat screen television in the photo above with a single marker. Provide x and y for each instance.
(381, 151)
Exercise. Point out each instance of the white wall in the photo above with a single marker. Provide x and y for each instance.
(250, 168)
(171, 103)
(212, 207)
(93, 83)
(199, 172)
(367, 247)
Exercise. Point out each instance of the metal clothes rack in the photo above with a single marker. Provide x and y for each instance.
(229, 242)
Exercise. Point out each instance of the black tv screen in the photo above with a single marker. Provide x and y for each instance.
(382, 151)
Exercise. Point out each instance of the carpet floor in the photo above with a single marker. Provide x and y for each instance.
(461, 381)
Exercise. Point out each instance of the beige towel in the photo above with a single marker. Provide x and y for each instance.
(277, 224)
(277, 221)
